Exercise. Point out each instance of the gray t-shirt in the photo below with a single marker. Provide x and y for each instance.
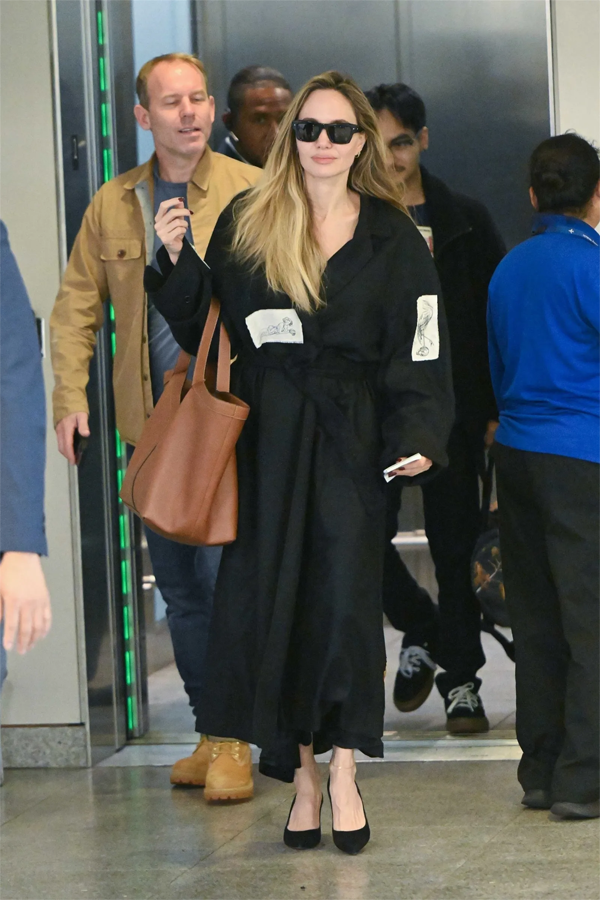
(162, 346)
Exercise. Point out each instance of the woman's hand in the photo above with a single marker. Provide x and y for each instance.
(414, 468)
(171, 224)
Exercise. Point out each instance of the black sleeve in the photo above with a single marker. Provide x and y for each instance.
(182, 292)
(491, 251)
(417, 386)
(492, 245)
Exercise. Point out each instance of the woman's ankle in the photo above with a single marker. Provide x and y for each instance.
(342, 759)
(307, 778)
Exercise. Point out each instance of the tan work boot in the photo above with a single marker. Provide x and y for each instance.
(229, 775)
(192, 769)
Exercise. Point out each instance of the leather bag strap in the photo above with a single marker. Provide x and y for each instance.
(182, 364)
(223, 364)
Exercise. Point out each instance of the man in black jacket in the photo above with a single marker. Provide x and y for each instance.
(257, 100)
(466, 248)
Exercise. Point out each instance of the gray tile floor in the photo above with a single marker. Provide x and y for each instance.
(440, 830)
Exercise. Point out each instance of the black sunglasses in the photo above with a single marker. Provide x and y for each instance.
(338, 132)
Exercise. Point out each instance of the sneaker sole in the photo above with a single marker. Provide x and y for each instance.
(188, 782)
(467, 725)
(245, 792)
(418, 700)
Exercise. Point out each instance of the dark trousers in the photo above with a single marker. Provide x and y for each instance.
(186, 578)
(452, 521)
(549, 509)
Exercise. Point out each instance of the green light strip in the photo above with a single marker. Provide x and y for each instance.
(120, 448)
(107, 163)
(103, 79)
(105, 113)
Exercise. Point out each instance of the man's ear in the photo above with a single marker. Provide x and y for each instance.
(227, 120)
(533, 198)
(142, 116)
(424, 138)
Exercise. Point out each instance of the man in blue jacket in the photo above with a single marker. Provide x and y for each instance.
(24, 601)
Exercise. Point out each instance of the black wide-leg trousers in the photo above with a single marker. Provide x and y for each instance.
(451, 630)
(549, 510)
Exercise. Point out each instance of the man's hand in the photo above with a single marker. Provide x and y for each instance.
(24, 600)
(65, 431)
(171, 224)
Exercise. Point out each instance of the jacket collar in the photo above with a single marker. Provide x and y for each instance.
(200, 178)
(447, 219)
(229, 148)
(557, 223)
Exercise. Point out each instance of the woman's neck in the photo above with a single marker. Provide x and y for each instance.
(330, 196)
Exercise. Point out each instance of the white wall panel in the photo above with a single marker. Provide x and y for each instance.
(42, 687)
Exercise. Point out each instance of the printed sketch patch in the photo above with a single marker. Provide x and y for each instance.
(275, 326)
(426, 343)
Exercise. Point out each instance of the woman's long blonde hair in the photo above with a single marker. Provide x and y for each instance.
(273, 221)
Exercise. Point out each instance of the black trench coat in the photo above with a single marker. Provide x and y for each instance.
(296, 648)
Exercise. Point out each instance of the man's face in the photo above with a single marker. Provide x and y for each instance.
(404, 147)
(263, 107)
(180, 113)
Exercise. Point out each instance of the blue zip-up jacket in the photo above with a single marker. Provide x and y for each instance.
(543, 327)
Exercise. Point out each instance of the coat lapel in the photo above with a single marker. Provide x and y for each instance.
(350, 259)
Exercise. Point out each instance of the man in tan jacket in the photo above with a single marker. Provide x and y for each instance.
(115, 242)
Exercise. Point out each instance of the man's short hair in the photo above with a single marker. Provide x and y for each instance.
(141, 84)
(402, 102)
(250, 77)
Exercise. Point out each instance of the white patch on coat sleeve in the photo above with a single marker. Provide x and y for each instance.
(426, 342)
(275, 326)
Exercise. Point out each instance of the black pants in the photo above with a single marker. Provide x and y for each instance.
(548, 509)
(186, 578)
(451, 506)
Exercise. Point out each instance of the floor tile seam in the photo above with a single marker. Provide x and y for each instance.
(30, 808)
(226, 842)
(498, 726)
(476, 851)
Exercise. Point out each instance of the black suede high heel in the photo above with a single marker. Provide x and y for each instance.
(351, 842)
(302, 840)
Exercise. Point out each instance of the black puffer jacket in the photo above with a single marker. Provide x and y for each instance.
(467, 248)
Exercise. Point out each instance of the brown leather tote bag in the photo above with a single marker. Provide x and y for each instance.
(182, 477)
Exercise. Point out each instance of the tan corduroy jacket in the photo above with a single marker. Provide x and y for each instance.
(109, 255)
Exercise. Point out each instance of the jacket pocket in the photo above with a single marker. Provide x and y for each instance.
(117, 249)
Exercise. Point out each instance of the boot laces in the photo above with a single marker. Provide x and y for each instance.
(234, 748)
(464, 695)
(412, 658)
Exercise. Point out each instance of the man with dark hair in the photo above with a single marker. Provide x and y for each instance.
(466, 248)
(257, 100)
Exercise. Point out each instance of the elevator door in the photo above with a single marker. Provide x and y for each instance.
(93, 60)
(482, 69)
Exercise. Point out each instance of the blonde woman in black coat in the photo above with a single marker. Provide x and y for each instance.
(332, 303)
